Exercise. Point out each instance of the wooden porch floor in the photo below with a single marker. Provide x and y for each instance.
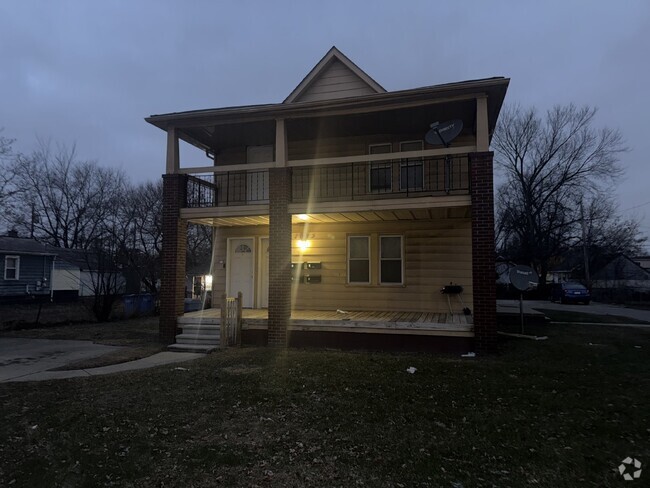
(357, 321)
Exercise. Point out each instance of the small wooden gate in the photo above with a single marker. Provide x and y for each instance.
(231, 320)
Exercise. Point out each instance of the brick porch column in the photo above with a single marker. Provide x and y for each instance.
(174, 247)
(483, 252)
(279, 256)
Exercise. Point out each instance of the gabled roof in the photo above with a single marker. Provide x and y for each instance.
(23, 245)
(334, 76)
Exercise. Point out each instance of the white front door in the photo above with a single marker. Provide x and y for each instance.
(240, 269)
(264, 273)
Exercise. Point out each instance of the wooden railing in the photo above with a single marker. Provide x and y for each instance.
(231, 314)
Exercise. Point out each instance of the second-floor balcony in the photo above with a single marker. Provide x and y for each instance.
(353, 181)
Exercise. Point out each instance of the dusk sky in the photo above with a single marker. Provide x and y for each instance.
(87, 72)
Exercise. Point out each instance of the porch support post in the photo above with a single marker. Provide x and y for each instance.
(174, 247)
(279, 256)
(482, 129)
(280, 143)
(483, 252)
(173, 155)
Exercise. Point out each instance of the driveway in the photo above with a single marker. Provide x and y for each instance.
(594, 308)
(21, 357)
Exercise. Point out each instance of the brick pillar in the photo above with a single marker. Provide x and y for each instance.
(483, 252)
(279, 256)
(174, 248)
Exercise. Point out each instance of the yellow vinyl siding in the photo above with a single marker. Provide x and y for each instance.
(335, 81)
(435, 253)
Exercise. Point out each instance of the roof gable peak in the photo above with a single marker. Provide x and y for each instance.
(334, 76)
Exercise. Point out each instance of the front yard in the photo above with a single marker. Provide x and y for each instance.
(558, 413)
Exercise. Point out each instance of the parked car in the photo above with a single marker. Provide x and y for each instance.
(570, 293)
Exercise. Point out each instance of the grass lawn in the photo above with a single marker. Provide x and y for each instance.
(558, 413)
(567, 316)
(139, 337)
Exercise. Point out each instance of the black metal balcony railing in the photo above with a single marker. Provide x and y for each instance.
(231, 188)
(382, 179)
(352, 181)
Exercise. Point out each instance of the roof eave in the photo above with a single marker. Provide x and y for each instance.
(195, 117)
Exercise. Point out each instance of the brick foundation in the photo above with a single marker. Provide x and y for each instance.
(483, 252)
(279, 256)
(174, 249)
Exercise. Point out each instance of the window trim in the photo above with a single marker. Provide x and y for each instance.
(401, 259)
(380, 165)
(408, 162)
(16, 268)
(368, 259)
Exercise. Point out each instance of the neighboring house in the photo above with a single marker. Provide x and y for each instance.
(76, 274)
(643, 261)
(339, 184)
(622, 272)
(25, 268)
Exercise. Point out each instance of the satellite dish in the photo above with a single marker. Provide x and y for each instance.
(443, 133)
(523, 278)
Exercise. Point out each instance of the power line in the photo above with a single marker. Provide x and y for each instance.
(636, 206)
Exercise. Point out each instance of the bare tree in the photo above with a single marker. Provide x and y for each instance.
(551, 164)
(6, 170)
(606, 234)
(140, 232)
(199, 245)
(62, 200)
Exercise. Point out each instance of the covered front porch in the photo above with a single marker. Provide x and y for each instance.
(424, 331)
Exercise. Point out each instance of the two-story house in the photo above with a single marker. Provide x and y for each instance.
(333, 200)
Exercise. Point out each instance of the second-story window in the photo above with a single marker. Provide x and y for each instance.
(381, 175)
(411, 175)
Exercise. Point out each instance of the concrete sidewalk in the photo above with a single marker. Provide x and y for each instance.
(31, 359)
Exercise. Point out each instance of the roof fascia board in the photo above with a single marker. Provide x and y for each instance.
(266, 112)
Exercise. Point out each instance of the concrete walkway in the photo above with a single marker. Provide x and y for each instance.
(531, 307)
(31, 359)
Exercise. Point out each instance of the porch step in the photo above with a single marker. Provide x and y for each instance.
(192, 348)
(197, 339)
(202, 321)
(201, 329)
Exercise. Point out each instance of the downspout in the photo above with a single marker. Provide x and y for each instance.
(52, 280)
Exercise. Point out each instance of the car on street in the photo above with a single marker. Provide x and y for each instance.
(570, 292)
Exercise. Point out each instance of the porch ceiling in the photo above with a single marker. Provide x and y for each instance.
(343, 217)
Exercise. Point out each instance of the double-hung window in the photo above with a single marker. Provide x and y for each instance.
(381, 175)
(390, 260)
(359, 259)
(12, 267)
(411, 175)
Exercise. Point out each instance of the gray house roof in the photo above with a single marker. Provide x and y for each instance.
(622, 268)
(23, 245)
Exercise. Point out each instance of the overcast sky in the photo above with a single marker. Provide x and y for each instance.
(88, 72)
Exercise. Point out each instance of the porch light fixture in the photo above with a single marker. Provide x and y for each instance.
(304, 217)
(303, 245)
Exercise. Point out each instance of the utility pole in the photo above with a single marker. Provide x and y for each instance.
(585, 251)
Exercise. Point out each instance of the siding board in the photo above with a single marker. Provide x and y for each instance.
(437, 252)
